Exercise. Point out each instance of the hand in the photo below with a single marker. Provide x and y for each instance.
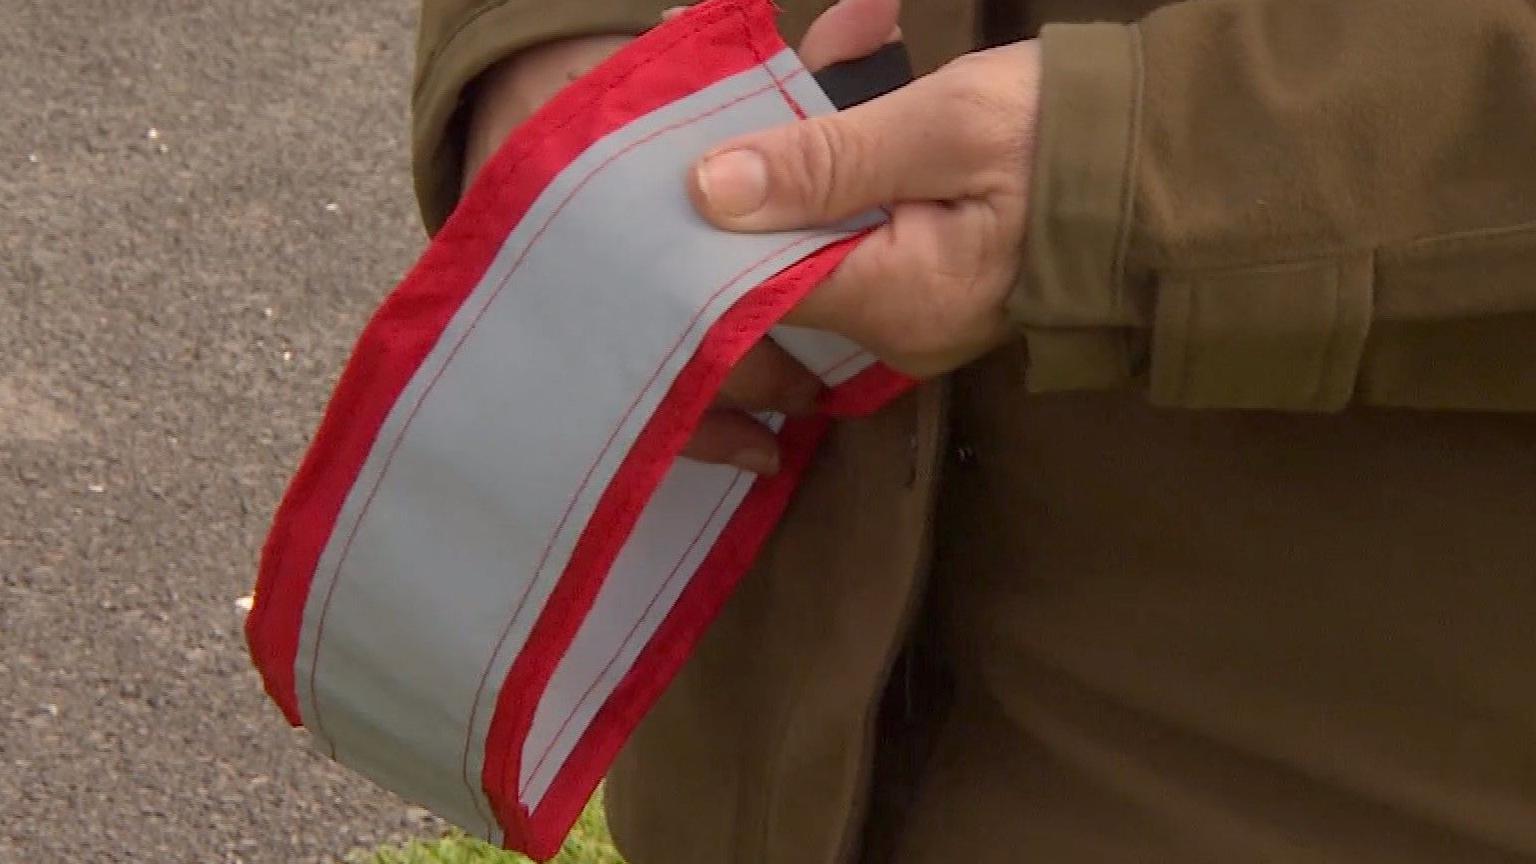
(767, 378)
(951, 156)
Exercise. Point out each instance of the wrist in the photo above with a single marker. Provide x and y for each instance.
(510, 91)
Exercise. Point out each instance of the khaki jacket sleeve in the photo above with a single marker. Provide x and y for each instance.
(1289, 204)
(459, 39)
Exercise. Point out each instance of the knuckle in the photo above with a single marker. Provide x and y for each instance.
(821, 151)
(979, 110)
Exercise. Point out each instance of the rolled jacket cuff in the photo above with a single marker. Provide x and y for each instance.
(1071, 302)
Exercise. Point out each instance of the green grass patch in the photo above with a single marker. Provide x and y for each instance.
(589, 843)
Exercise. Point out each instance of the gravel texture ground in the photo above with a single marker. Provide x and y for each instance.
(199, 204)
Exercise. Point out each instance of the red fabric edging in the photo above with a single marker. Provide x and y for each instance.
(667, 651)
(408, 325)
(708, 43)
(619, 507)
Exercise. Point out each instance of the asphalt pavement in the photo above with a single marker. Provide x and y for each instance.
(199, 205)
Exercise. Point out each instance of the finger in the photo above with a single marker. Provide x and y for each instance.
(728, 437)
(769, 379)
(849, 30)
(921, 142)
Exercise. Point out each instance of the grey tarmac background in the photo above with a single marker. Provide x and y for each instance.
(200, 202)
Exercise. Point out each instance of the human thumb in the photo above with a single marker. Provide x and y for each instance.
(904, 146)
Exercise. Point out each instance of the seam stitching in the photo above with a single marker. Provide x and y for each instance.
(1128, 173)
(629, 637)
(778, 84)
(560, 528)
(1331, 346)
(317, 725)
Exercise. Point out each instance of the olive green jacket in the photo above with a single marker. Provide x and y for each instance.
(1272, 205)
(1247, 202)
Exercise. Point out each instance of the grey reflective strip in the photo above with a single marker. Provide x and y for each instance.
(538, 388)
(832, 357)
(676, 531)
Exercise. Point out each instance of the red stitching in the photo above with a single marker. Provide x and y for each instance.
(778, 83)
(587, 478)
(628, 638)
(858, 354)
(794, 106)
(575, 113)
(395, 446)
(608, 444)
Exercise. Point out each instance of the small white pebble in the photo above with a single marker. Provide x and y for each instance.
(287, 355)
(52, 709)
(267, 312)
(153, 134)
(33, 158)
(163, 149)
(245, 603)
(96, 487)
(332, 207)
